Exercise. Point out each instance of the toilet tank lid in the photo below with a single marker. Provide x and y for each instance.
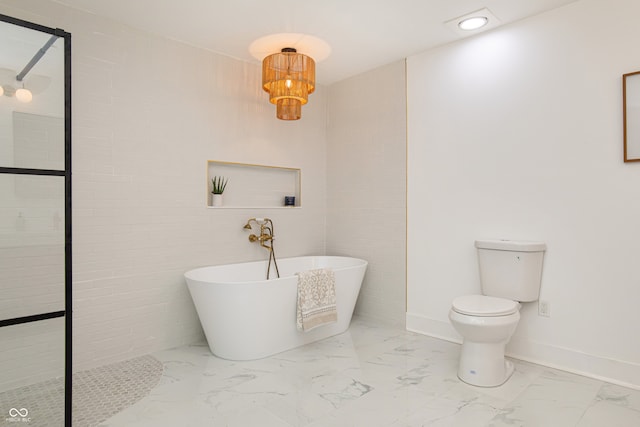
(511, 245)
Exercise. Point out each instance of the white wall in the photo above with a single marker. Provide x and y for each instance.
(366, 187)
(517, 134)
(147, 115)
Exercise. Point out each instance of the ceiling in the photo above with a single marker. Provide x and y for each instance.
(362, 34)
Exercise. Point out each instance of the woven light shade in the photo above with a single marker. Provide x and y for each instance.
(289, 77)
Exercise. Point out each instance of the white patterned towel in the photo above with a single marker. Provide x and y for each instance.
(316, 299)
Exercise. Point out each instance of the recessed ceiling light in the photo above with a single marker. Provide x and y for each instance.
(473, 23)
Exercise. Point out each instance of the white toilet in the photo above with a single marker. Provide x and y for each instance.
(510, 273)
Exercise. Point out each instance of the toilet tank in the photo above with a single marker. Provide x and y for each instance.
(511, 269)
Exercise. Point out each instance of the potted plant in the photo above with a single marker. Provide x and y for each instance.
(218, 184)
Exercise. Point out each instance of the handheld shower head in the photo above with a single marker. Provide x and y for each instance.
(258, 221)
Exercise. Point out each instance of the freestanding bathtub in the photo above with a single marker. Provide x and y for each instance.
(246, 317)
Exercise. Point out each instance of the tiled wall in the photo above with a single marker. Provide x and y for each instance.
(32, 267)
(366, 185)
(32, 280)
(147, 115)
(31, 352)
(32, 263)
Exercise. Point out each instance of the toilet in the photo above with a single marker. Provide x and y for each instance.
(510, 274)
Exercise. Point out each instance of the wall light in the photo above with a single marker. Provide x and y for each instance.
(21, 94)
(289, 77)
(473, 23)
(24, 95)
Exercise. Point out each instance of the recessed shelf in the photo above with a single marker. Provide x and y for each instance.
(254, 186)
(253, 207)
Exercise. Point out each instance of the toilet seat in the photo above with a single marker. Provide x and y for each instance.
(484, 306)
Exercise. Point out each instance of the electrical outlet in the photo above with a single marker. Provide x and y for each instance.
(544, 308)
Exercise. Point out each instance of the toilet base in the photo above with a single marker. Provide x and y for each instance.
(484, 365)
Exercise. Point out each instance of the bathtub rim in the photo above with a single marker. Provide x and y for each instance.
(188, 275)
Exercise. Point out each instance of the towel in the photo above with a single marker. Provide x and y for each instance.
(316, 299)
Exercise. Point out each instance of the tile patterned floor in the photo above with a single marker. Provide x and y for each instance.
(41, 404)
(102, 392)
(370, 376)
(97, 395)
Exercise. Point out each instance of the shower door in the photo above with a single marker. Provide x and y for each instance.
(35, 224)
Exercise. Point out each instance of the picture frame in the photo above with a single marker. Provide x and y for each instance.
(631, 115)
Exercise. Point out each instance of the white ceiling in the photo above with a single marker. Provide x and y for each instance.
(362, 34)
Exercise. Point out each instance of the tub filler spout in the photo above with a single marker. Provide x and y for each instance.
(265, 239)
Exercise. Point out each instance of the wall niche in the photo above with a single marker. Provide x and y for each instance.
(254, 186)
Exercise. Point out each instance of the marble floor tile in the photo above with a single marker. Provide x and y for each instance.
(450, 412)
(554, 398)
(621, 396)
(370, 376)
(607, 414)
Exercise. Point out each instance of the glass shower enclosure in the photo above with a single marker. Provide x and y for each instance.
(35, 224)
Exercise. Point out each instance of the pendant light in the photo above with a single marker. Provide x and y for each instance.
(289, 77)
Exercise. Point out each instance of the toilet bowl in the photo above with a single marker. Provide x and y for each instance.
(510, 273)
(486, 325)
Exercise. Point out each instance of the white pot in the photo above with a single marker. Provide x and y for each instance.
(216, 200)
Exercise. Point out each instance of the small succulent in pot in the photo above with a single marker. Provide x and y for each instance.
(218, 184)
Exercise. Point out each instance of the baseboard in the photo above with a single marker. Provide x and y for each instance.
(433, 328)
(623, 373)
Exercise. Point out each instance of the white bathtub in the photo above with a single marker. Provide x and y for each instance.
(246, 317)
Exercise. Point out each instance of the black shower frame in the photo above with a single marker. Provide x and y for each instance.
(67, 312)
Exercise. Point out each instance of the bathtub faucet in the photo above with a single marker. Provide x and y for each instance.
(266, 232)
(265, 239)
